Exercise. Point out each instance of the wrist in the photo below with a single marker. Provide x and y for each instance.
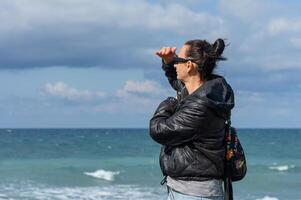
(164, 62)
(167, 61)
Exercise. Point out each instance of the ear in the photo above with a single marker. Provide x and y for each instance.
(189, 66)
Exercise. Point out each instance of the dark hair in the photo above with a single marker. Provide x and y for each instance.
(206, 55)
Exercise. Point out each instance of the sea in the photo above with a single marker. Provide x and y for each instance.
(115, 164)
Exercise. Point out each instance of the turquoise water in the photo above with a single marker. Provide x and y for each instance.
(123, 164)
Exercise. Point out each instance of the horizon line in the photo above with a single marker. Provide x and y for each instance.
(134, 128)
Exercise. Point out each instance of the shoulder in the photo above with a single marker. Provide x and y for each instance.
(193, 104)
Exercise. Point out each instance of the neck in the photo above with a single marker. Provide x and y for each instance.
(193, 83)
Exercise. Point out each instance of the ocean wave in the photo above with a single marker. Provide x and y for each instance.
(268, 198)
(282, 167)
(116, 192)
(102, 174)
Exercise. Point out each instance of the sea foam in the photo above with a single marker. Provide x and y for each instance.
(268, 198)
(42, 192)
(282, 167)
(102, 174)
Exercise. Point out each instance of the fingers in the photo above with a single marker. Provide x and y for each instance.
(161, 52)
(173, 50)
(166, 51)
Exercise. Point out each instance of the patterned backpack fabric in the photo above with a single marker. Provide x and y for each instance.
(235, 162)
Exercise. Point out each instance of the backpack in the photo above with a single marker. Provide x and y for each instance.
(235, 161)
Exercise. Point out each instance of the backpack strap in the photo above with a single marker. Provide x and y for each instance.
(227, 180)
(228, 189)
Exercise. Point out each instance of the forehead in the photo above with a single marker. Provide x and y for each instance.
(182, 52)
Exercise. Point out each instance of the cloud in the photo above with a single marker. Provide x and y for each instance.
(275, 47)
(96, 14)
(62, 90)
(146, 87)
(248, 11)
(284, 25)
(264, 37)
(144, 93)
(134, 96)
(107, 34)
(263, 56)
(266, 109)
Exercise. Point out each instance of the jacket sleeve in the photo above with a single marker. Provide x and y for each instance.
(171, 75)
(168, 128)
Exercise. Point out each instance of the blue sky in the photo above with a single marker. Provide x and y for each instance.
(91, 63)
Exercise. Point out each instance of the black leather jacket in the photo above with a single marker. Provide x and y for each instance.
(191, 129)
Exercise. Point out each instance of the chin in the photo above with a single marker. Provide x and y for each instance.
(179, 78)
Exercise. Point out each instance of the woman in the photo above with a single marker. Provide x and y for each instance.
(191, 128)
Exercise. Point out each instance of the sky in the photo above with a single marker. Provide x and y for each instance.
(92, 63)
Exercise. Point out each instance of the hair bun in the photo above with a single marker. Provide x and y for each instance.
(219, 46)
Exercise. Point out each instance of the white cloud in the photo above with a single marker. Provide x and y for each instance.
(284, 25)
(146, 93)
(132, 86)
(83, 33)
(264, 37)
(247, 10)
(62, 90)
(134, 96)
(147, 87)
(268, 44)
(264, 33)
(28, 14)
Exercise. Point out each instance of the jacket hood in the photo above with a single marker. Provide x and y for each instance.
(218, 95)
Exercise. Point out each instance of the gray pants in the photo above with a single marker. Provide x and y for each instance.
(174, 195)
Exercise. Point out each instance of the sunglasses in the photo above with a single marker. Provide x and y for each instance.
(178, 59)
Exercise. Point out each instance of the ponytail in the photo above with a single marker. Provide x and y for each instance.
(218, 47)
(206, 55)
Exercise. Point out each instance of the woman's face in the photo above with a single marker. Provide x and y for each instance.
(181, 68)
